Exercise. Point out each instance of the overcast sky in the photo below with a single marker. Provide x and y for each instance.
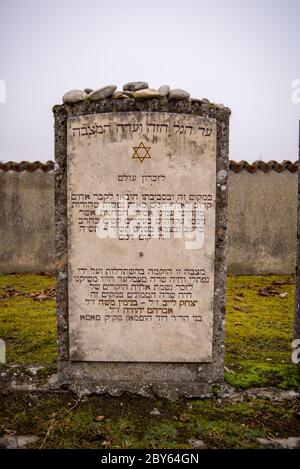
(244, 54)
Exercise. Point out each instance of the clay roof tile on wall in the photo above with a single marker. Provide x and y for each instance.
(237, 167)
(266, 167)
(27, 166)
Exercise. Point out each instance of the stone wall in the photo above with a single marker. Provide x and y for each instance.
(262, 221)
(27, 220)
(262, 211)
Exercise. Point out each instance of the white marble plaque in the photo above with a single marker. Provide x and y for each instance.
(141, 233)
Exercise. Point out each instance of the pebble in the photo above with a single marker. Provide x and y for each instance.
(228, 370)
(99, 418)
(283, 295)
(135, 86)
(164, 90)
(272, 394)
(74, 96)
(129, 94)
(155, 411)
(178, 94)
(102, 93)
(14, 442)
(280, 443)
(147, 93)
(221, 175)
(119, 95)
(88, 90)
(196, 444)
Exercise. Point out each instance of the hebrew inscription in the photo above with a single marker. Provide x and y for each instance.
(141, 226)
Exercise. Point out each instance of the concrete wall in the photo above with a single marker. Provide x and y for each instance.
(262, 222)
(27, 221)
(262, 219)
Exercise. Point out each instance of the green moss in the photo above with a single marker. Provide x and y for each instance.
(232, 411)
(26, 282)
(27, 326)
(216, 388)
(259, 332)
(222, 434)
(252, 375)
(21, 418)
(47, 370)
(229, 424)
(162, 434)
(60, 421)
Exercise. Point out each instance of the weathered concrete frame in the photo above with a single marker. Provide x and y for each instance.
(171, 380)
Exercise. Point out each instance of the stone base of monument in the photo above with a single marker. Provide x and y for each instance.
(140, 309)
(169, 381)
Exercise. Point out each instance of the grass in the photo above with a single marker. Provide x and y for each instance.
(28, 326)
(60, 421)
(258, 328)
(259, 332)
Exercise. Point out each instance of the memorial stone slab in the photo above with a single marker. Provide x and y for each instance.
(141, 202)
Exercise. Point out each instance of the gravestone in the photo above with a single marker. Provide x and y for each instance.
(141, 207)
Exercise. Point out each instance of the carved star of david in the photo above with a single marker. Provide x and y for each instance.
(141, 152)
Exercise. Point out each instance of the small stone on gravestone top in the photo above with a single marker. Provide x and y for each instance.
(178, 94)
(135, 86)
(164, 90)
(147, 93)
(102, 93)
(74, 96)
